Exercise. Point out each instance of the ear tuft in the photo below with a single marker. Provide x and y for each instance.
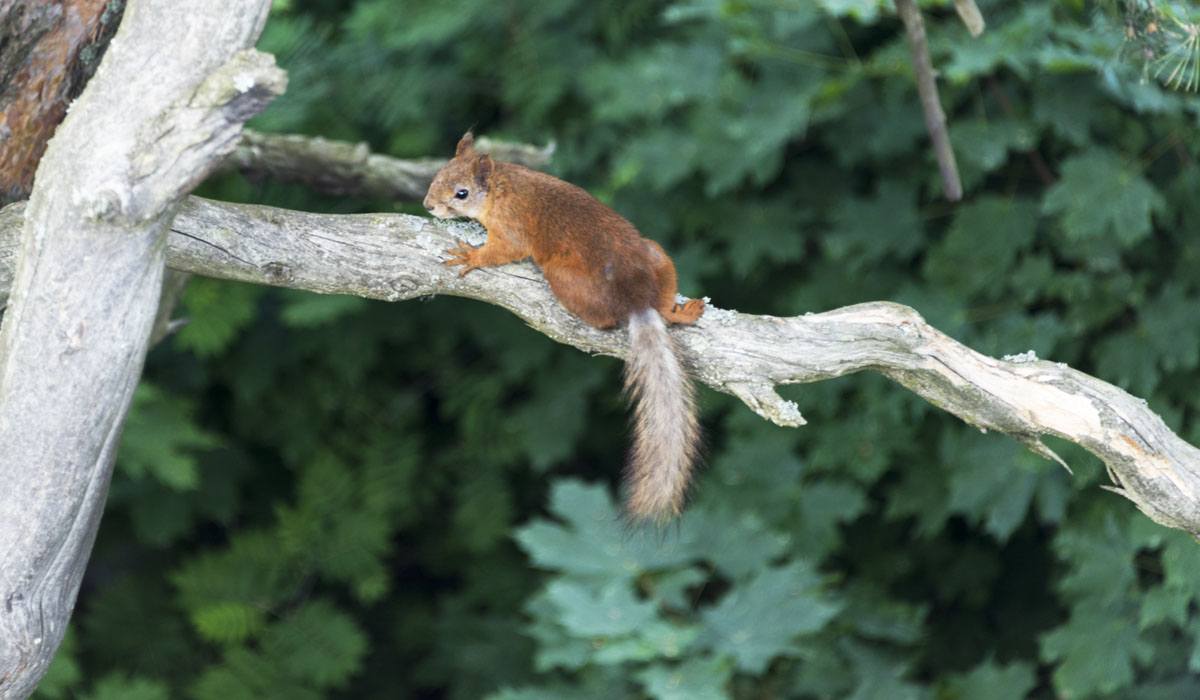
(483, 171)
(465, 145)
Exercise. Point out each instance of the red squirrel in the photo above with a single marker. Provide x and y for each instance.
(603, 271)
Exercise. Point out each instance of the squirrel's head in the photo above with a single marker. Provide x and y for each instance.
(461, 186)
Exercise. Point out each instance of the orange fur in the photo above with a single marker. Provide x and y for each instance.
(603, 271)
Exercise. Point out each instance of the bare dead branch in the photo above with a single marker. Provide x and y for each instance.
(935, 119)
(396, 257)
(970, 15)
(350, 169)
(173, 284)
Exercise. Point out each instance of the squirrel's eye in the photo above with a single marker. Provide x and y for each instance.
(461, 194)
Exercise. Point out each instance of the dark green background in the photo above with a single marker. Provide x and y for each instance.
(329, 497)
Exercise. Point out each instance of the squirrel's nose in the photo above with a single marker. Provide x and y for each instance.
(427, 204)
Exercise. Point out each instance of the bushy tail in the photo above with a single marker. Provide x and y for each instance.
(666, 434)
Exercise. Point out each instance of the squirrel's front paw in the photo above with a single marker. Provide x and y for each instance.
(462, 254)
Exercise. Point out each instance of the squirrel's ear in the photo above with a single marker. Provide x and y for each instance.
(465, 144)
(483, 170)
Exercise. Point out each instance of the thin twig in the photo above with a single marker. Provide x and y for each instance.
(935, 119)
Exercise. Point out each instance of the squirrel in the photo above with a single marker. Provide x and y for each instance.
(603, 271)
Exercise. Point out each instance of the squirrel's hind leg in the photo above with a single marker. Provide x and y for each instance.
(686, 313)
(664, 271)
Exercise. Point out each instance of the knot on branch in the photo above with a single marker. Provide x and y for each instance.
(176, 150)
(242, 87)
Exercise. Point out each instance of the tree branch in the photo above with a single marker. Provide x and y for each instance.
(970, 15)
(342, 168)
(396, 257)
(935, 118)
(166, 104)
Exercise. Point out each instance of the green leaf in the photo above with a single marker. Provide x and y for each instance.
(982, 146)
(1170, 324)
(861, 110)
(824, 505)
(247, 675)
(659, 157)
(880, 675)
(592, 541)
(671, 589)
(1009, 43)
(866, 231)
(1180, 588)
(650, 82)
(655, 641)
(609, 612)
(746, 137)
(161, 516)
(1121, 359)
(216, 312)
(1096, 651)
(551, 425)
(696, 679)
(338, 525)
(1068, 106)
(1101, 560)
(308, 310)
(991, 681)
(556, 647)
(738, 543)
(1100, 194)
(228, 622)
(992, 480)
(253, 570)
(118, 686)
(160, 437)
(875, 616)
(483, 512)
(985, 239)
(764, 233)
(316, 644)
(761, 619)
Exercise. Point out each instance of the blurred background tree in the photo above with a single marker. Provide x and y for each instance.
(330, 497)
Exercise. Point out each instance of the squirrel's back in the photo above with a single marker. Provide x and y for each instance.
(596, 262)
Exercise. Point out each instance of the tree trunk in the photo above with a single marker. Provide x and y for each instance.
(48, 51)
(87, 285)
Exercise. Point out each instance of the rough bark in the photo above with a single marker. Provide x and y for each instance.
(396, 257)
(342, 168)
(48, 50)
(165, 106)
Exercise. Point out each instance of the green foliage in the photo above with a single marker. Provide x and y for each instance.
(321, 496)
(118, 687)
(161, 438)
(1100, 176)
(991, 681)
